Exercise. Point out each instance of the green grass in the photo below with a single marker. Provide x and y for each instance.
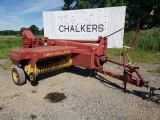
(7, 43)
(148, 40)
(10, 42)
(136, 55)
(157, 70)
(6, 65)
(148, 45)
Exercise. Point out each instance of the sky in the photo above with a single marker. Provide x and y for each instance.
(15, 14)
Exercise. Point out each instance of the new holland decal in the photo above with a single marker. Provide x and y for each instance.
(56, 53)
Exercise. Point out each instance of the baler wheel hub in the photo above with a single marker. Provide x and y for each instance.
(32, 77)
(15, 77)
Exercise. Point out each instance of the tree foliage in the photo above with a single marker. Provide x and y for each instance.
(139, 8)
(34, 29)
(68, 4)
(135, 9)
(9, 32)
(83, 4)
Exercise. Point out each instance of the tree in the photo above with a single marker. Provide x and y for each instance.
(9, 32)
(22, 30)
(68, 4)
(83, 4)
(34, 29)
(135, 9)
(139, 8)
(41, 32)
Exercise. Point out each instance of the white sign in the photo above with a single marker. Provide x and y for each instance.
(86, 24)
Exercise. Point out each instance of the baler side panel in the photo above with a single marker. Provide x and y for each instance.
(17, 55)
(83, 60)
(27, 42)
(82, 46)
(39, 53)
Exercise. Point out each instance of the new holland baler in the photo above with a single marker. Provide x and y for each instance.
(41, 56)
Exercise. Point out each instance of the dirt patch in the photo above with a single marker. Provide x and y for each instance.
(2, 61)
(55, 97)
(33, 116)
(1, 108)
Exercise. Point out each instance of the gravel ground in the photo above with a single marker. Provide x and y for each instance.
(86, 97)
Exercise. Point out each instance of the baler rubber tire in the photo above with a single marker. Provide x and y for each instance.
(32, 77)
(18, 76)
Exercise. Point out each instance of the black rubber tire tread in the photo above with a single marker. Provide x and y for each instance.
(34, 77)
(21, 75)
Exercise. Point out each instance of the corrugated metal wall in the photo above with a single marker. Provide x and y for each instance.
(86, 24)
